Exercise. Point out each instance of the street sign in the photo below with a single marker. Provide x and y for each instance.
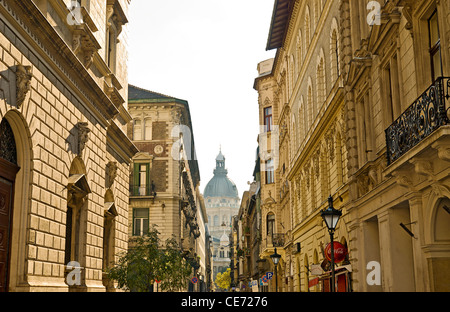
(194, 280)
(263, 281)
(269, 275)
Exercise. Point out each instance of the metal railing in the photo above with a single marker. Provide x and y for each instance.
(139, 190)
(275, 240)
(428, 113)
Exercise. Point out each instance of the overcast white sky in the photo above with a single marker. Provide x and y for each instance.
(206, 52)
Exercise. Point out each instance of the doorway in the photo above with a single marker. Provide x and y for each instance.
(8, 171)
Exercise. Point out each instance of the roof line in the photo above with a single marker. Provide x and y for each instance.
(157, 93)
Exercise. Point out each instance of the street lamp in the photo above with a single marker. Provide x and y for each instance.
(276, 258)
(331, 217)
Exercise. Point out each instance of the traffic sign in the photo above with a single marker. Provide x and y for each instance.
(194, 280)
(269, 275)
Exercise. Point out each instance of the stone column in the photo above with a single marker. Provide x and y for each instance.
(421, 276)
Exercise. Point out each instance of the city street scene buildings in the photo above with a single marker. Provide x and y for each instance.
(358, 94)
(350, 190)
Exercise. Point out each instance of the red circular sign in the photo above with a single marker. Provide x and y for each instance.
(339, 252)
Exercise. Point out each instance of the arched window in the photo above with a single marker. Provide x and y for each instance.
(302, 120)
(292, 79)
(311, 109)
(293, 135)
(324, 168)
(299, 52)
(270, 225)
(321, 83)
(307, 28)
(334, 51)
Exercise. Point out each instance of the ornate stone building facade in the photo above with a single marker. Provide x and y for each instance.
(358, 99)
(397, 101)
(64, 153)
(165, 178)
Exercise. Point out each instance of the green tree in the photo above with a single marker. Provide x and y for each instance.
(223, 280)
(146, 261)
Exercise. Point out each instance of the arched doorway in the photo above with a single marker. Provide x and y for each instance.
(8, 171)
(438, 257)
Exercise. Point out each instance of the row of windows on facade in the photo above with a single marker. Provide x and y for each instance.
(142, 130)
(225, 220)
(222, 254)
(141, 221)
(392, 97)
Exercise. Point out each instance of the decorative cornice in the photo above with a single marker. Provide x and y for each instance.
(55, 53)
(119, 141)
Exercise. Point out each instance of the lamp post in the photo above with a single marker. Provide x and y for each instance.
(331, 217)
(276, 258)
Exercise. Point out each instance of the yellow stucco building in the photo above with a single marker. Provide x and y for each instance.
(355, 105)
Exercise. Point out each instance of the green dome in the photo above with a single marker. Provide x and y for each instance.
(220, 185)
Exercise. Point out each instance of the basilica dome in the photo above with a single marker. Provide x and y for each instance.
(220, 185)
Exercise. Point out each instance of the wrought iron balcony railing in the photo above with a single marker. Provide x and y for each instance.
(139, 190)
(275, 240)
(428, 113)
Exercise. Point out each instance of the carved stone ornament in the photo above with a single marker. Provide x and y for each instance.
(84, 44)
(23, 83)
(111, 173)
(83, 136)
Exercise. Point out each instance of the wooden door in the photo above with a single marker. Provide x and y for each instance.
(6, 190)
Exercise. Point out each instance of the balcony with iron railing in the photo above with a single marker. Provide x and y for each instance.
(427, 114)
(275, 240)
(142, 191)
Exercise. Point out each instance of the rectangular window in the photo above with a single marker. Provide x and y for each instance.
(270, 172)
(137, 130)
(141, 183)
(140, 221)
(268, 119)
(435, 46)
(147, 129)
(392, 89)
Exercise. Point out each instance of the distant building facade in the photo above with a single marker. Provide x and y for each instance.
(64, 155)
(222, 203)
(165, 178)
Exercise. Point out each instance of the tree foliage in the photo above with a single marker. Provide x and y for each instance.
(223, 280)
(148, 260)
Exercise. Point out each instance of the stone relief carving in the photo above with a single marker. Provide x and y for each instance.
(84, 45)
(23, 83)
(83, 136)
(111, 173)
